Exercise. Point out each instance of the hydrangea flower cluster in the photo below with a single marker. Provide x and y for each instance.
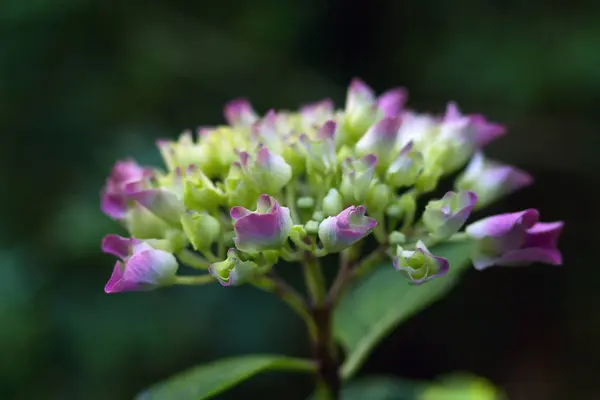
(234, 199)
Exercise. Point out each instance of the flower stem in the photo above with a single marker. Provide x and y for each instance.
(272, 283)
(324, 353)
(313, 277)
(328, 378)
(369, 262)
(290, 200)
(194, 279)
(192, 259)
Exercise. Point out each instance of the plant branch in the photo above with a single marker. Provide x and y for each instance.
(271, 282)
(192, 259)
(349, 272)
(314, 279)
(194, 279)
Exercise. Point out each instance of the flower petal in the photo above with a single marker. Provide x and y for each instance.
(118, 246)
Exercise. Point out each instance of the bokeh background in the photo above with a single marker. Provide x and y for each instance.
(84, 83)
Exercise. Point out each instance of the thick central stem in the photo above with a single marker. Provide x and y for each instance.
(324, 352)
(328, 378)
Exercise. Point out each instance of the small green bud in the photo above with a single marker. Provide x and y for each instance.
(228, 238)
(378, 197)
(293, 155)
(312, 227)
(297, 235)
(408, 204)
(394, 211)
(305, 202)
(396, 238)
(446, 216)
(332, 203)
(406, 168)
(201, 229)
(318, 216)
(344, 153)
(143, 224)
(199, 192)
(233, 271)
(357, 178)
(429, 179)
(177, 240)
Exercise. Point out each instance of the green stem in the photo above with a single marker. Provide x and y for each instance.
(314, 279)
(341, 280)
(379, 231)
(369, 262)
(459, 237)
(290, 200)
(194, 280)
(192, 259)
(272, 283)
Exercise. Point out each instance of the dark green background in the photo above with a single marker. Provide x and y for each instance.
(84, 82)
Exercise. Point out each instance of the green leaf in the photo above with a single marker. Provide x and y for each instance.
(380, 302)
(206, 381)
(382, 388)
(461, 386)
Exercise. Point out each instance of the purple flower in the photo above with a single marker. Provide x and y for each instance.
(419, 129)
(265, 229)
(483, 131)
(163, 203)
(406, 168)
(420, 265)
(345, 229)
(320, 153)
(491, 180)
(240, 112)
(358, 176)
(266, 132)
(363, 107)
(446, 216)
(125, 176)
(268, 172)
(391, 102)
(361, 95)
(316, 114)
(141, 267)
(515, 239)
(381, 140)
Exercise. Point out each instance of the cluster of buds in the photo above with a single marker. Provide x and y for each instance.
(236, 198)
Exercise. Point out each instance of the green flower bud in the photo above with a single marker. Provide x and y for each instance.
(233, 271)
(446, 216)
(378, 197)
(305, 202)
(238, 191)
(318, 216)
(267, 172)
(143, 224)
(394, 211)
(312, 227)
(201, 229)
(199, 192)
(396, 238)
(177, 240)
(295, 157)
(298, 235)
(357, 178)
(429, 179)
(333, 203)
(217, 151)
(406, 168)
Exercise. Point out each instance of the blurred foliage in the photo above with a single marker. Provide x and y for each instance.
(85, 82)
